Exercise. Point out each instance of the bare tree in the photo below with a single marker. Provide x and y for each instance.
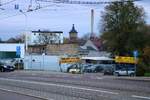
(86, 36)
(48, 38)
(11, 40)
(20, 38)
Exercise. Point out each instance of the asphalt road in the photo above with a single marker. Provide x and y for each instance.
(7, 95)
(64, 86)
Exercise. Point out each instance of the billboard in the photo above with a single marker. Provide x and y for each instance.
(123, 59)
(70, 60)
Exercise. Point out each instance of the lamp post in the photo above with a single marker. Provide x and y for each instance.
(135, 54)
(26, 37)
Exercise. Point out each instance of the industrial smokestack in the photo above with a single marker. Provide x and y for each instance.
(92, 23)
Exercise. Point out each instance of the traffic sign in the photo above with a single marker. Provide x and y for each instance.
(122, 59)
(135, 53)
(18, 51)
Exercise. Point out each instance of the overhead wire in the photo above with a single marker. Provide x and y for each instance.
(41, 7)
(5, 3)
(25, 12)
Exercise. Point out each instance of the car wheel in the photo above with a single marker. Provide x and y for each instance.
(68, 70)
(132, 74)
(73, 72)
(2, 70)
(116, 74)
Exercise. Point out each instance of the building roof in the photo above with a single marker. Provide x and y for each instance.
(98, 58)
(39, 31)
(73, 30)
(89, 45)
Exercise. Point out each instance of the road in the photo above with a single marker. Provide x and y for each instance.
(8, 95)
(64, 86)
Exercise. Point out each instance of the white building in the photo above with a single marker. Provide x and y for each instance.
(54, 37)
(12, 50)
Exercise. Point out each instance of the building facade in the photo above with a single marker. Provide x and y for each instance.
(36, 49)
(62, 49)
(12, 50)
(45, 37)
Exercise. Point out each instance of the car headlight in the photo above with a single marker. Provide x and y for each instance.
(5, 66)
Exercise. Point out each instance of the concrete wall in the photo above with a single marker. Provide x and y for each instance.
(42, 62)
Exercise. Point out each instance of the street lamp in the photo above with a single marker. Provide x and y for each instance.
(26, 37)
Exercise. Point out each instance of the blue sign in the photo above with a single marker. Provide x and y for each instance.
(135, 53)
(18, 50)
(16, 6)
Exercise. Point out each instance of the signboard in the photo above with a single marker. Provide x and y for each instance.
(135, 53)
(122, 59)
(70, 60)
(18, 51)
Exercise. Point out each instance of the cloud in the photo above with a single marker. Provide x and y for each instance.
(54, 17)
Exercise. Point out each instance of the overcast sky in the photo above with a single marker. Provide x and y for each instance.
(54, 17)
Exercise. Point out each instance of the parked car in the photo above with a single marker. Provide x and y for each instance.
(4, 67)
(85, 66)
(74, 69)
(94, 68)
(108, 72)
(124, 72)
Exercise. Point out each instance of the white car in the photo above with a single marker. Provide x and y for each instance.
(124, 72)
(75, 68)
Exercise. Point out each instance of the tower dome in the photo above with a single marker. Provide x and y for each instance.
(73, 34)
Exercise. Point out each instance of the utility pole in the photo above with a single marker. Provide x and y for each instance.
(26, 37)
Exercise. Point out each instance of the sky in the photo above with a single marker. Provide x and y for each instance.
(53, 17)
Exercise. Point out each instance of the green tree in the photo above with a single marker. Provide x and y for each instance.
(123, 27)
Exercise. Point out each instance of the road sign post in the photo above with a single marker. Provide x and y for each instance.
(135, 54)
(18, 53)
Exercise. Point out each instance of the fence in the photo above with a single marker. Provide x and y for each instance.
(42, 62)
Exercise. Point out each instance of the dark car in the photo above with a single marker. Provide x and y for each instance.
(108, 72)
(93, 69)
(6, 67)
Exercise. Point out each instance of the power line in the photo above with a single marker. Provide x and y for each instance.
(85, 2)
(1, 4)
(39, 7)
(25, 12)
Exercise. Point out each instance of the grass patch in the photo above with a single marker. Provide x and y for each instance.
(147, 74)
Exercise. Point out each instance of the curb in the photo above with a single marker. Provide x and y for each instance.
(133, 79)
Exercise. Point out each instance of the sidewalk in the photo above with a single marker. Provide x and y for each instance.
(135, 78)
